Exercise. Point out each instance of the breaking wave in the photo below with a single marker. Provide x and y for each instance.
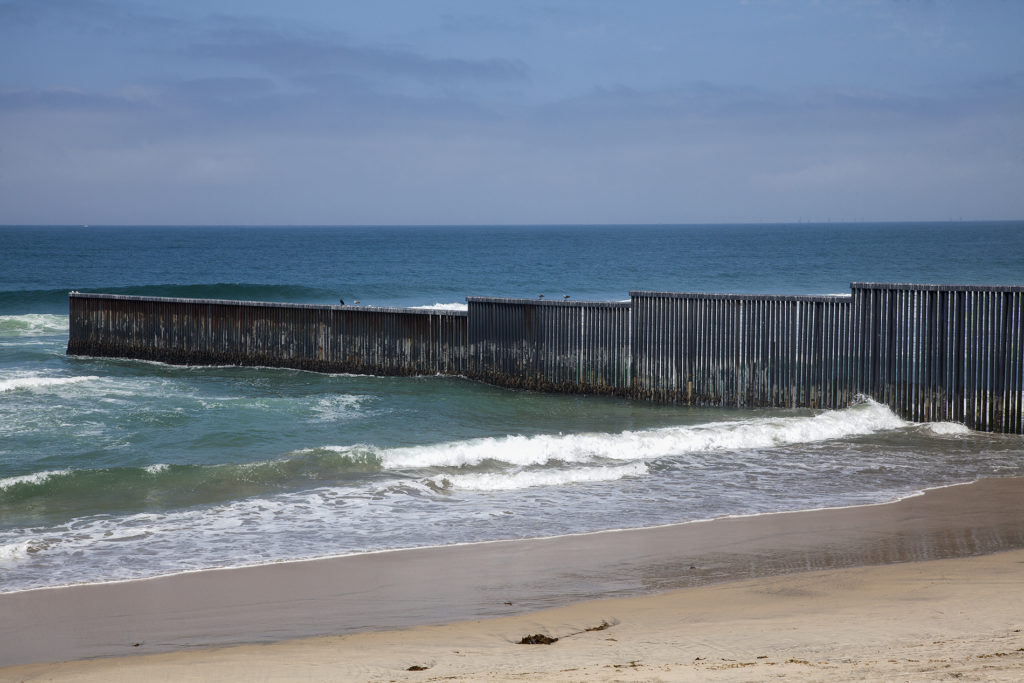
(32, 325)
(487, 464)
(33, 382)
(33, 479)
(768, 432)
(947, 428)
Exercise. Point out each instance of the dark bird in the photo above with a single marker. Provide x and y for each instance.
(565, 296)
(540, 296)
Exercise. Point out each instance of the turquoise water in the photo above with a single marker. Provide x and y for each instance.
(113, 469)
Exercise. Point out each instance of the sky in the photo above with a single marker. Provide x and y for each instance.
(333, 112)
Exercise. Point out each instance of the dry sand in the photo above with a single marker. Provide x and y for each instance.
(946, 619)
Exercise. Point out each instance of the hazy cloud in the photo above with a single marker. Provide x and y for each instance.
(304, 55)
(226, 88)
(476, 24)
(91, 16)
(557, 114)
(61, 99)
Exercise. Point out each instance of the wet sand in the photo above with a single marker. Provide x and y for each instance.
(921, 621)
(405, 589)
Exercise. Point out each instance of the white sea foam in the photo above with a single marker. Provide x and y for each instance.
(32, 381)
(12, 552)
(947, 428)
(649, 444)
(496, 481)
(612, 483)
(156, 468)
(32, 325)
(337, 407)
(444, 307)
(35, 478)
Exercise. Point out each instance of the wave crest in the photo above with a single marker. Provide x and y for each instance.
(31, 382)
(31, 479)
(32, 325)
(947, 428)
(502, 463)
(769, 432)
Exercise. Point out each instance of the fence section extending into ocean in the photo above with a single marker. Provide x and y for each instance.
(576, 347)
(938, 353)
(930, 352)
(378, 341)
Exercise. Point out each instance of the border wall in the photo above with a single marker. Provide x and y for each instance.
(578, 346)
(743, 350)
(930, 352)
(942, 352)
(379, 341)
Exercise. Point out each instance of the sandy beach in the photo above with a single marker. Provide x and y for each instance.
(923, 621)
(922, 589)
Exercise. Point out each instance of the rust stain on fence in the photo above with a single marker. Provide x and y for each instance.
(930, 352)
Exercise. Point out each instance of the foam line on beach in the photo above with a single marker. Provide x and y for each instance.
(496, 541)
(499, 481)
(335, 494)
(214, 608)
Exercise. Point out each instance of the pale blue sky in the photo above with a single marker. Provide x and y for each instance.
(416, 112)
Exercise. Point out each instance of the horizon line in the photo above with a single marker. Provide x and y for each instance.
(513, 225)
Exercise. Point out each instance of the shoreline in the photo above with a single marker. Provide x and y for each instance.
(403, 589)
(383, 551)
(919, 621)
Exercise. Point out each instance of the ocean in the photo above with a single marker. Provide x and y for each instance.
(117, 469)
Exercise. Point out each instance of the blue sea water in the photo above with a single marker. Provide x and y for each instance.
(114, 469)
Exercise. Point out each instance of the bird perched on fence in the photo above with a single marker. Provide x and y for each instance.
(540, 296)
(565, 296)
